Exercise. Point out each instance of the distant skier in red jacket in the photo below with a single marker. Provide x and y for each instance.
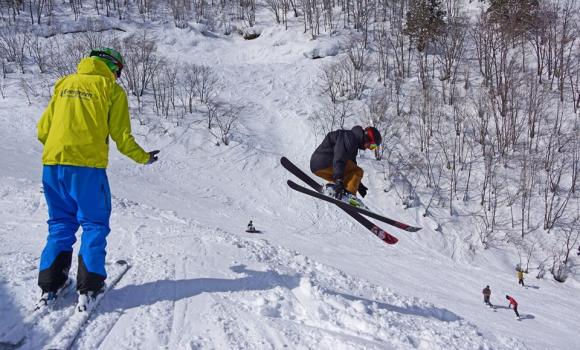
(514, 305)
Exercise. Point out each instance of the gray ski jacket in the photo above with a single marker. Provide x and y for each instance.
(336, 149)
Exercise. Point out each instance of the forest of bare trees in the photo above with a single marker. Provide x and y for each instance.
(468, 101)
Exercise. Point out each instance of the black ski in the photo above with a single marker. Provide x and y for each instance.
(344, 205)
(377, 231)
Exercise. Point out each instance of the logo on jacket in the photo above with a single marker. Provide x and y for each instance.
(70, 93)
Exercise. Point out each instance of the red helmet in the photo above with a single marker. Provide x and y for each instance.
(373, 137)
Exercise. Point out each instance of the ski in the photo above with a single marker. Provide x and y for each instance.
(346, 206)
(67, 335)
(318, 188)
(16, 336)
(377, 231)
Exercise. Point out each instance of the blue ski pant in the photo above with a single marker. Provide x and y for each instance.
(76, 196)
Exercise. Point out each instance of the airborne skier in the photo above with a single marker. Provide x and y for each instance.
(334, 160)
(86, 108)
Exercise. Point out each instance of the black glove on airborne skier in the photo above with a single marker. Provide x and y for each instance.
(362, 190)
(152, 157)
(338, 189)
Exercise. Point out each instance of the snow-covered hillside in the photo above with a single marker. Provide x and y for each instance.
(312, 279)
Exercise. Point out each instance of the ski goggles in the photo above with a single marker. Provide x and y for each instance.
(371, 144)
(109, 58)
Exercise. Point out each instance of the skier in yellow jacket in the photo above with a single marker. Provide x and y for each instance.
(85, 110)
(520, 275)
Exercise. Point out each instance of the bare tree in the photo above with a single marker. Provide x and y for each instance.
(29, 89)
(188, 81)
(206, 82)
(568, 239)
(14, 45)
(353, 80)
(331, 116)
(38, 52)
(451, 47)
(226, 120)
(141, 63)
(277, 7)
(163, 85)
(331, 82)
(384, 120)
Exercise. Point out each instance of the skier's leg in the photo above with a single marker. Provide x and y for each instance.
(92, 193)
(56, 256)
(516, 311)
(353, 175)
(325, 173)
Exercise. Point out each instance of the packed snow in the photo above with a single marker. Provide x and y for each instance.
(312, 279)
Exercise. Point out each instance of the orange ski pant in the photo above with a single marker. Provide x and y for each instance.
(353, 175)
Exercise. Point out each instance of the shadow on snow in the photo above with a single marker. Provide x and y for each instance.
(132, 296)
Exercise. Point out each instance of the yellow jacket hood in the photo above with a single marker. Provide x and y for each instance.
(94, 66)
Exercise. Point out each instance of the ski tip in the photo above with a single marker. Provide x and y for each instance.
(413, 229)
(121, 262)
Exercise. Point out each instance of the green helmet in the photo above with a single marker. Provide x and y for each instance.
(111, 57)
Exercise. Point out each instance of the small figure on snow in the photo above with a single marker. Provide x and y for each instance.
(334, 160)
(486, 296)
(520, 274)
(86, 109)
(579, 250)
(251, 227)
(514, 305)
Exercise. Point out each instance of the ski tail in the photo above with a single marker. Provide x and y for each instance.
(300, 174)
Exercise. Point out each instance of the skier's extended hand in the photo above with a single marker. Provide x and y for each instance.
(339, 189)
(362, 189)
(152, 157)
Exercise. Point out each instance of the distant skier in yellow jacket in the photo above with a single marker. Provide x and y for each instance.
(520, 275)
(85, 110)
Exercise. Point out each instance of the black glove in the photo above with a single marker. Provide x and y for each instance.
(338, 189)
(362, 190)
(152, 157)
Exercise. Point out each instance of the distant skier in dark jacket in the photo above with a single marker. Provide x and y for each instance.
(335, 161)
(513, 304)
(487, 295)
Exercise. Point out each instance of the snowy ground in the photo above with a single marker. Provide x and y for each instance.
(313, 279)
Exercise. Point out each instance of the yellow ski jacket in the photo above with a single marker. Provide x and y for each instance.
(85, 109)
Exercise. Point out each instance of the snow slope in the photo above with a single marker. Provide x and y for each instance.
(313, 279)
